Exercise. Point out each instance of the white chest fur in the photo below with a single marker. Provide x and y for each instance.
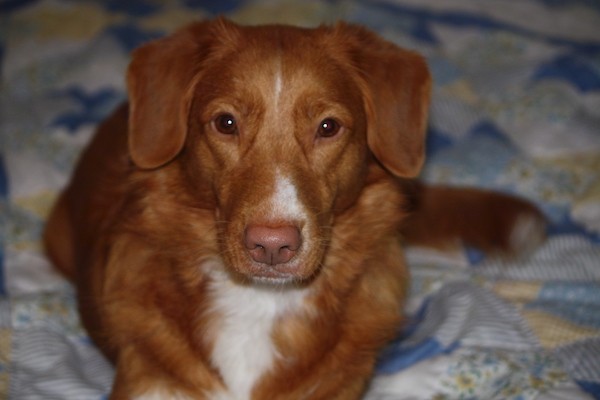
(244, 350)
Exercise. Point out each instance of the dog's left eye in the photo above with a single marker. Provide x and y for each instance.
(226, 124)
(328, 127)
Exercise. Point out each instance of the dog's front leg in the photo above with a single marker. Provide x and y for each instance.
(148, 323)
(138, 379)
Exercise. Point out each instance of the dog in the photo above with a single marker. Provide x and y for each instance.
(235, 231)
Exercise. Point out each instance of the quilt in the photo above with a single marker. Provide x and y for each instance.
(516, 108)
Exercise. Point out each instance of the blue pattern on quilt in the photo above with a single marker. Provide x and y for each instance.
(437, 141)
(478, 158)
(214, 7)
(573, 69)
(566, 225)
(131, 36)
(474, 256)
(13, 5)
(135, 8)
(399, 358)
(592, 388)
(3, 179)
(443, 71)
(515, 107)
(571, 301)
(91, 107)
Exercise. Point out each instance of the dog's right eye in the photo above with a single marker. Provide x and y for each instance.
(226, 124)
(329, 127)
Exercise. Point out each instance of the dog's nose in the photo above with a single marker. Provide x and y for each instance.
(272, 246)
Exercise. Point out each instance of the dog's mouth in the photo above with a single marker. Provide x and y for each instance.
(273, 275)
(273, 255)
(277, 261)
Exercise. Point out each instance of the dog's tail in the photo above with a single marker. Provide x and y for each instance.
(443, 217)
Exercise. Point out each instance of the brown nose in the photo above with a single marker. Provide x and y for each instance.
(272, 246)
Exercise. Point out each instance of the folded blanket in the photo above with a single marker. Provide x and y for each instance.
(516, 107)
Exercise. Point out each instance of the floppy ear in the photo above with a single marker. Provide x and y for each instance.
(160, 80)
(397, 87)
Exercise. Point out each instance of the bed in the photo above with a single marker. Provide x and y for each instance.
(516, 108)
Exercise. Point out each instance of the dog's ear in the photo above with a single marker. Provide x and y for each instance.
(396, 85)
(161, 80)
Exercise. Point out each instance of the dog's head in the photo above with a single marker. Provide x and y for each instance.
(275, 128)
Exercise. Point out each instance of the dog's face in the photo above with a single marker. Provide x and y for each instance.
(275, 128)
(284, 146)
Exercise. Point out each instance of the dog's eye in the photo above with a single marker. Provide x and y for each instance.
(328, 127)
(226, 124)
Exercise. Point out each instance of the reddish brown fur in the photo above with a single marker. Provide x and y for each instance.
(478, 218)
(159, 199)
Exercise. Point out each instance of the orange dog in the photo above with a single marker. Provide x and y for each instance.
(234, 232)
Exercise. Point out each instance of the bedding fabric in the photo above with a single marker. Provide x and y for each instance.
(516, 107)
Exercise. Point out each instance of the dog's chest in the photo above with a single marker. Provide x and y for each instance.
(243, 349)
